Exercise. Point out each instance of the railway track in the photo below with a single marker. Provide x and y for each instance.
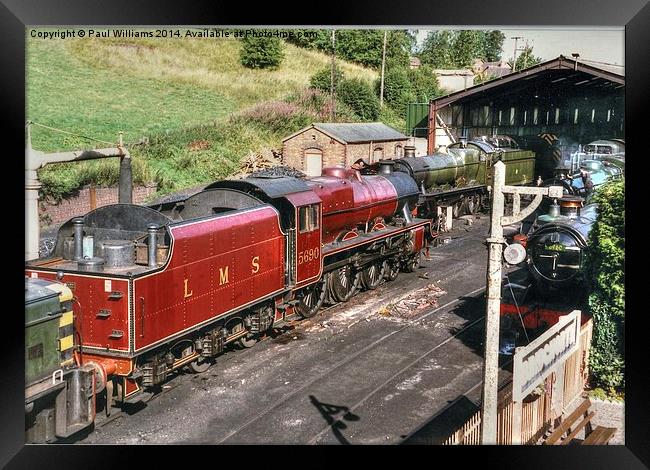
(354, 356)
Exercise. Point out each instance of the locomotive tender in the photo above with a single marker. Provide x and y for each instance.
(158, 290)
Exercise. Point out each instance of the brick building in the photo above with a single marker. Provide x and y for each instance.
(324, 145)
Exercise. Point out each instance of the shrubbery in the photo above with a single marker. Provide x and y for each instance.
(322, 79)
(403, 86)
(261, 52)
(605, 269)
(358, 94)
(398, 91)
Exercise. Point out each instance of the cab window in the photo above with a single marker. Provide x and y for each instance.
(308, 218)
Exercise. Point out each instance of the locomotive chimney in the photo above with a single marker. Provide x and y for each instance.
(409, 151)
(570, 206)
(152, 230)
(78, 224)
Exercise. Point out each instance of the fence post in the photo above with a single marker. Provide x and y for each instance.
(92, 194)
(516, 422)
(557, 401)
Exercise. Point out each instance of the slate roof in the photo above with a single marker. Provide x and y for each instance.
(352, 132)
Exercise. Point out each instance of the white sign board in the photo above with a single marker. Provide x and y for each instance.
(533, 363)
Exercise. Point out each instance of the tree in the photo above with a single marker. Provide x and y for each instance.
(467, 46)
(320, 39)
(261, 52)
(424, 83)
(492, 44)
(436, 49)
(605, 269)
(526, 59)
(398, 90)
(322, 79)
(358, 94)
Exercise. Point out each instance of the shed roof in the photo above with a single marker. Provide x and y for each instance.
(571, 72)
(352, 132)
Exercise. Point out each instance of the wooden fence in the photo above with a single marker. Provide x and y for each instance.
(537, 414)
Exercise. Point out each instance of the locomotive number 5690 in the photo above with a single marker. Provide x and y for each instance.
(308, 255)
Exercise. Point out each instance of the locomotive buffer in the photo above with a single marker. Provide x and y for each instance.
(495, 244)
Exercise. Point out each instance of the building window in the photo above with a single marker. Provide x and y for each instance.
(512, 116)
(548, 115)
(575, 116)
(500, 116)
(398, 150)
(525, 117)
(609, 114)
(557, 115)
(308, 218)
(535, 113)
(377, 154)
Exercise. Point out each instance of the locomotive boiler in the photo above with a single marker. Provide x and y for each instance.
(162, 288)
(458, 177)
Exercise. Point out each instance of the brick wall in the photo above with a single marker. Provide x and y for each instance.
(334, 152)
(366, 150)
(293, 150)
(52, 214)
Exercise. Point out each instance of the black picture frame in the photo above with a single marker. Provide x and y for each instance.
(16, 15)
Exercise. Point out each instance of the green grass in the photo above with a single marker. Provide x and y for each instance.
(66, 93)
(169, 93)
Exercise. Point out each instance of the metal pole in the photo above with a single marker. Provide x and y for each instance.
(32, 186)
(514, 57)
(332, 110)
(383, 64)
(491, 359)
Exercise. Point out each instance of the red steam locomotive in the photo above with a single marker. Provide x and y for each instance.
(158, 290)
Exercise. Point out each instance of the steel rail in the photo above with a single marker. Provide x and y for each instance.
(347, 360)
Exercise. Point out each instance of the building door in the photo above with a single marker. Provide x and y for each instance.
(313, 162)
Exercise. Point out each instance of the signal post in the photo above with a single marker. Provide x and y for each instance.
(495, 243)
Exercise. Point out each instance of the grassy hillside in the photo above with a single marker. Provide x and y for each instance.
(174, 93)
(143, 86)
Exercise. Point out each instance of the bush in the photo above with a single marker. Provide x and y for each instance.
(397, 89)
(261, 52)
(321, 80)
(605, 269)
(424, 82)
(358, 94)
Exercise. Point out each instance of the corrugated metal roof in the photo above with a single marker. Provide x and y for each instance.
(360, 132)
(540, 72)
